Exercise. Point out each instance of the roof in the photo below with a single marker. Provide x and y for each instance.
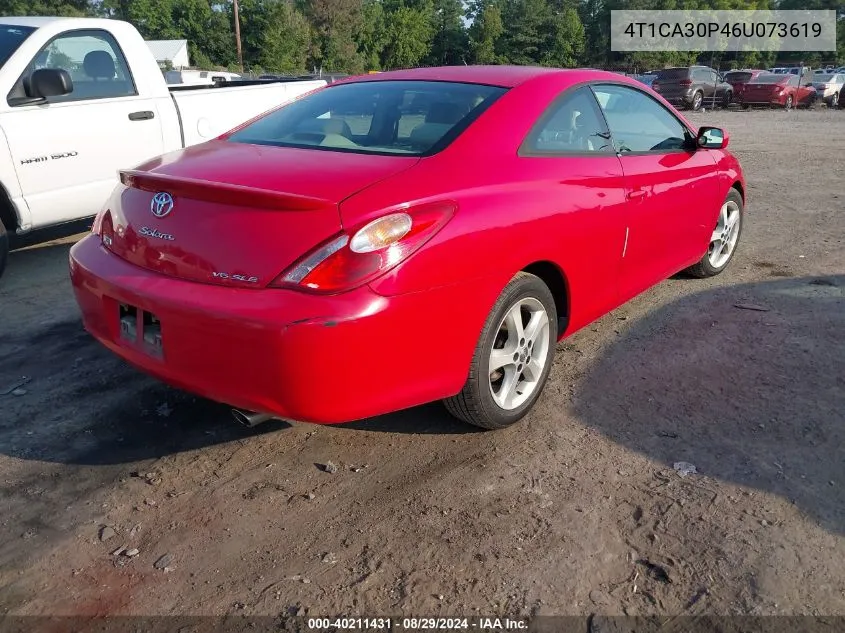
(504, 76)
(166, 49)
(38, 22)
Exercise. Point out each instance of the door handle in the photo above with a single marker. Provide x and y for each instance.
(141, 116)
(633, 195)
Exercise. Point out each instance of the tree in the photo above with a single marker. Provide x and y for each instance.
(372, 37)
(449, 45)
(525, 38)
(410, 31)
(566, 46)
(485, 33)
(63, 8)
(334, 24)
(287, 40)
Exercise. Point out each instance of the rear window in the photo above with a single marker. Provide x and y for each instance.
(11, 37)
(737, 77)
(767, 79)
(673, 74)
(374, 117)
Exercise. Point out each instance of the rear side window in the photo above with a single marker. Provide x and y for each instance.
(638, 123)
(375, 117)
(702, 74)
(573, 124)
(11, 37)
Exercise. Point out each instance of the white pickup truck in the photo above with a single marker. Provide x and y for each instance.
(80, 99)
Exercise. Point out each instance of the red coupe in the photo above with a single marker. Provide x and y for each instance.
(778, 90)
(405, 237)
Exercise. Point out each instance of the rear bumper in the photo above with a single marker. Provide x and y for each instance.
(684, 98)
(298, 356)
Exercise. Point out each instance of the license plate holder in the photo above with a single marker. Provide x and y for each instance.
(142, 329)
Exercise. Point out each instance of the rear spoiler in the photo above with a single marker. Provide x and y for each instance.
(221, 192)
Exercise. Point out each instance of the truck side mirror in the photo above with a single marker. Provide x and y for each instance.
(48, 82)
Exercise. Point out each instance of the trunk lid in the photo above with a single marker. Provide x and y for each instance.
(236, 214)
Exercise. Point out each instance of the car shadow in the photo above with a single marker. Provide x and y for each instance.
(745, 382)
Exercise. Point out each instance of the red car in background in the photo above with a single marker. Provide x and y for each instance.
(738, 78)
(405, 237)
(778, 90)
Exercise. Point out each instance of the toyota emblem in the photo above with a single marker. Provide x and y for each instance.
(161, 204)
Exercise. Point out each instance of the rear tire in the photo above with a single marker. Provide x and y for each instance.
(501, 397)
(697, 100)
(713, 263)
(4, 248)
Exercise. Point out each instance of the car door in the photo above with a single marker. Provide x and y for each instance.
(576, 180)
(67, 151)
(672, 189)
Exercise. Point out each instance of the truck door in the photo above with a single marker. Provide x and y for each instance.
(67, 151)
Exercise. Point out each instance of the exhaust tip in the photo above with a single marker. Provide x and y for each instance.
(249, 419)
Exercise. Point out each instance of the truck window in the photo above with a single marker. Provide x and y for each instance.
(95, 64)
(11, 37)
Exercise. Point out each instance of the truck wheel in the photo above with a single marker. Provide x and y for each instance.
(513, 357)
(4, 248)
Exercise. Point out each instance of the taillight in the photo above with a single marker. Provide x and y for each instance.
(106, 229)
(655, 85)
(348, 261)
(686, 82)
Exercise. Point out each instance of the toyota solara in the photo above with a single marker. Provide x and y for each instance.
(405, 237)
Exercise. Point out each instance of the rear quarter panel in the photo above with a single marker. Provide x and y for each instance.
(512, 211)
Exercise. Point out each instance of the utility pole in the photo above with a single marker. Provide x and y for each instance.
(238, 35)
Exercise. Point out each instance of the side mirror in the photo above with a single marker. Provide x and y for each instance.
(711, 138)
(48, 82)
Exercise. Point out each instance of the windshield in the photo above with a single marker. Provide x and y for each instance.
(375, 117)
(737, 77)
(768, 79)
(834, 79)
(11, 37)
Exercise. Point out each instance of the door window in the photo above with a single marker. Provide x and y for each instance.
(638, 123)
(95, 64)
(572, 124)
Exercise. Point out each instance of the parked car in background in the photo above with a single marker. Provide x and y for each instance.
(647, 78)
(778, 90)
(693, 87)
(260, 269)
(829, 88)
(801, 71)
(84, 98)
(738, 78)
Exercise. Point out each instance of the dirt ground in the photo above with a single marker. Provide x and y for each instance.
(575, 511)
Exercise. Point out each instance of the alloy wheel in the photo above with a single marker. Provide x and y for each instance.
(519, 354)
(725, 235)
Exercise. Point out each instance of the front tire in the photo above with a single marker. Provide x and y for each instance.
(513, 357)
(788, 105)
(834, 101)
(723, 240)
(4, 248)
